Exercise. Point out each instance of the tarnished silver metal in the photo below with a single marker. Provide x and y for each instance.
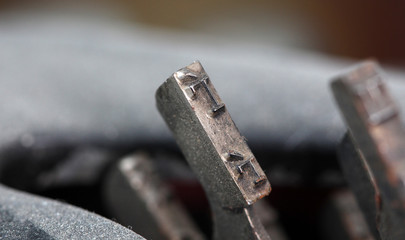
(378, 152)
(137, 197)
(215, 150)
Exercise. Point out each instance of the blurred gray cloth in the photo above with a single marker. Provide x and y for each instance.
(95, 80)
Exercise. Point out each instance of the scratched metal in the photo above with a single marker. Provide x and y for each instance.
(216, 151)
(377, 134)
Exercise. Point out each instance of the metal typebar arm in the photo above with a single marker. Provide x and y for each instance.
(376, 131)
(215, 150)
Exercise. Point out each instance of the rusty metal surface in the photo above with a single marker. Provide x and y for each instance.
(377, 134)
(216, 151)
(138, 197)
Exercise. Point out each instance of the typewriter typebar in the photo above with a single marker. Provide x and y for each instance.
(372, 154)
(216, 151)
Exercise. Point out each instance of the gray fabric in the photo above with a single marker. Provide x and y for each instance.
(95, 80)
(23, 216)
